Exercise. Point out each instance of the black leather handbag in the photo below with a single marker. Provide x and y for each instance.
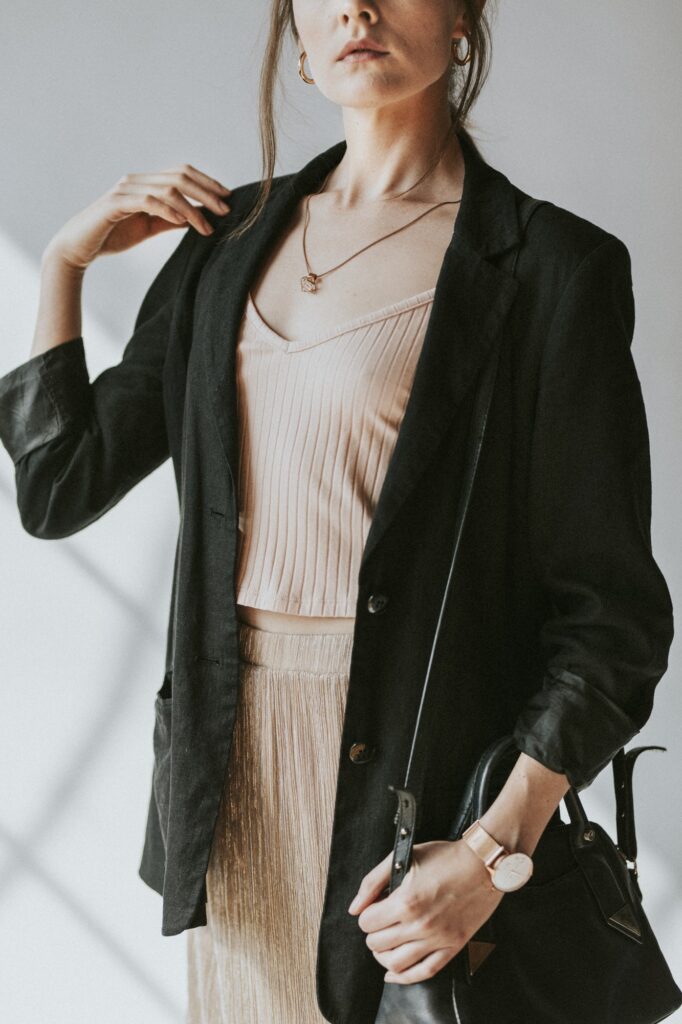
(573, 945)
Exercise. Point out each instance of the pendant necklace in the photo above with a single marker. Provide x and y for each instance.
(309, 282)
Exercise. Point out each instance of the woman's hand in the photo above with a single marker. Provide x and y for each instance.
(447, 893)
(136, 207)
(442, 901)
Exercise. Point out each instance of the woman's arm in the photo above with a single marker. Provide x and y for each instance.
(607, 636)
(59, 306)
(610, 624)
(78, 445)
(590, 512)
(519, 814)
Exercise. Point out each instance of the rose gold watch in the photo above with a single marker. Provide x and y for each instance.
(508, 871)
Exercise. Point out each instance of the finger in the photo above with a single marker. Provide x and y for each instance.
(384, 913)
(188, 185)
(202, 178)
(394, 935)
(132, 203)
(372, 885)
(172, 198)
(159, 224)
(404, 955)
(199, 186)
(426, 968)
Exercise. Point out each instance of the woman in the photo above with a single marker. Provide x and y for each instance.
(307, 357)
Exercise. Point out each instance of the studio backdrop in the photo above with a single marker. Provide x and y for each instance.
(581, 108)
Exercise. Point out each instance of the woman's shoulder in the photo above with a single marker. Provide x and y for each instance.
(559, 239)
(198, 249)
(560, 244)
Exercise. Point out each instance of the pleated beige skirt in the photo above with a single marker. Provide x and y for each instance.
(254, 960)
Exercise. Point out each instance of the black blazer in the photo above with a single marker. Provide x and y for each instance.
(559, 623)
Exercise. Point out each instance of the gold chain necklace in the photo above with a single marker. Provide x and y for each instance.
(309, 282)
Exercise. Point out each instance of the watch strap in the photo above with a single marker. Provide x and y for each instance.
(483, 844)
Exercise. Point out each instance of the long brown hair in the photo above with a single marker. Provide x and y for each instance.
(464, 87)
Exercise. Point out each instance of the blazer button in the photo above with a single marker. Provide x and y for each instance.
(377, 603)
(361, 752)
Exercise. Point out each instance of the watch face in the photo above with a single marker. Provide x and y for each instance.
(512, 872)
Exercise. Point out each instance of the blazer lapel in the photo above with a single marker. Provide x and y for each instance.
(471, 301)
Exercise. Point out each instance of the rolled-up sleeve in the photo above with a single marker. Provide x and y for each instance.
(610, 625)
(43, 397)
(78, 445)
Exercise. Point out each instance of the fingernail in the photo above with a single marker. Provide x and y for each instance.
(223, 206)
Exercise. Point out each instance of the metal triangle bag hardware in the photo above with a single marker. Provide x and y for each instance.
(533, 961)
(476, 954)
(625, 919)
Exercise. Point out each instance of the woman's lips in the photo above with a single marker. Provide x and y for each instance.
(356, 56)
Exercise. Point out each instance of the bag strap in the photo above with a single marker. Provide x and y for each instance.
(623, 764)
(405, 818)
(475, 797)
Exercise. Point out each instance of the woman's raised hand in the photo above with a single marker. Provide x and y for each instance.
(137, 207)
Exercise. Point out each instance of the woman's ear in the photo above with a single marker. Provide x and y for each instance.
(461, 26)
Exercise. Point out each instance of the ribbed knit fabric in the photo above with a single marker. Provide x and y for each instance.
(318, 421)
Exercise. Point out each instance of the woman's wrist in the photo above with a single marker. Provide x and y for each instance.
(59, 316)
(518, 816)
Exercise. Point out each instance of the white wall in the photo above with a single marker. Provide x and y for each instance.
(579, 108)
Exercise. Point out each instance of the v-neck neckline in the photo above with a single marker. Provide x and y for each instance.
(375, 316)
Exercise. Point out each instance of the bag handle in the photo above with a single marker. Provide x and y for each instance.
(476, 801)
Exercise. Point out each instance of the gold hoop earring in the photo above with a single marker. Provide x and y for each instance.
(454, 50)
(301, 62)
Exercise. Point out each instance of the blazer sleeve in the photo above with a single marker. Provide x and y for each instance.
(78, 445)
(610, 627)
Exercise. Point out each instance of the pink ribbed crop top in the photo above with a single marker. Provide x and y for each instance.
(318, 421)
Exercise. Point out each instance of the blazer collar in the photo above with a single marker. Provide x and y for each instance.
(471, 301)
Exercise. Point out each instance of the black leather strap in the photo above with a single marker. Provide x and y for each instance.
(623, 765)
(406, 822)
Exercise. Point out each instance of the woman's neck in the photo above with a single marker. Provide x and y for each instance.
(370, 172)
